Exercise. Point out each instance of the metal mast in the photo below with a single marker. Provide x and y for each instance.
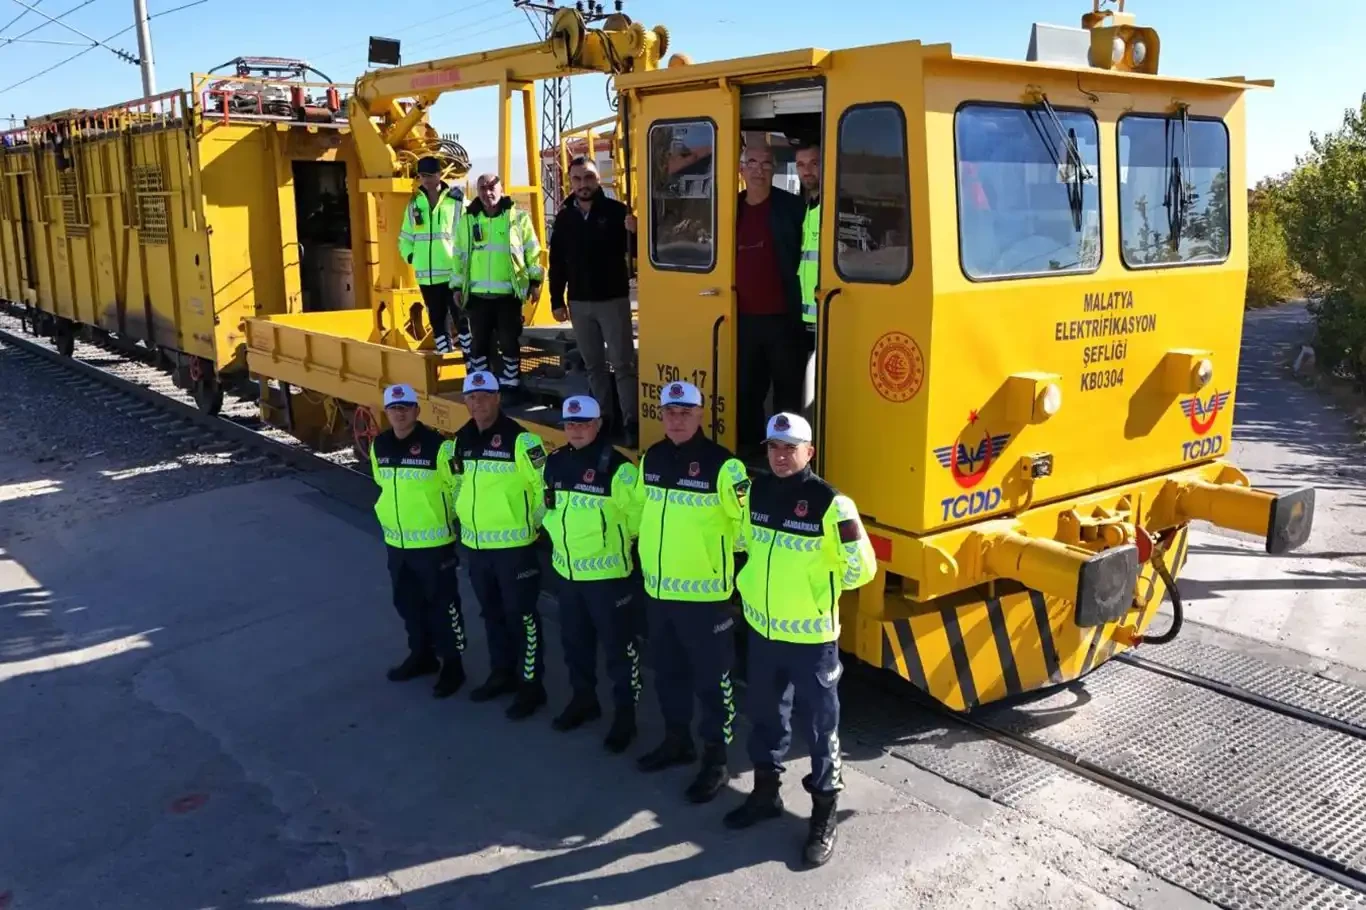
(149, 76)
(557, 104)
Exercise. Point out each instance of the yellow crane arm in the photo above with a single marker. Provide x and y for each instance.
(571, 48)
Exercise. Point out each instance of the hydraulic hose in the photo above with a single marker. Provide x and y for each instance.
(1178, 611)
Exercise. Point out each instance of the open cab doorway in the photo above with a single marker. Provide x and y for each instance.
(693, 143)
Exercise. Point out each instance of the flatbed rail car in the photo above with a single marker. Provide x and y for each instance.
(166, 222)
(1032, 277)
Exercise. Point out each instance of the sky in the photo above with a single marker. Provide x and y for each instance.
(1311, 48)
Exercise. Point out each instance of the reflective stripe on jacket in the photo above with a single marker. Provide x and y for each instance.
(590, 516)
(805, 545)
(496, 255)
(429, 236)
(691, 499)
(498, 489)
(809, 269)
(415, 506)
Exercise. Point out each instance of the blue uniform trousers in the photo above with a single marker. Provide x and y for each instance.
(427, 597)
(600, 611)
(508, 584)
(694, 648)
(778, 670)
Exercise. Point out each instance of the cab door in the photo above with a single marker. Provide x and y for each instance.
(873, 307)
(687, 156)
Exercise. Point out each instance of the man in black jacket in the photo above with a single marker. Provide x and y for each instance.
(770, 339)
(589, 245)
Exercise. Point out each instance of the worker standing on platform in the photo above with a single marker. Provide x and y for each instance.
(805, 544)
(809, 271)
(499, 503)
(497, 270)
(427, 243)
(691, 493)
(590, 246)
(411, 462)
(591, 520)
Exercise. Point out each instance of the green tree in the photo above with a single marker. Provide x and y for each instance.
(1322, 204)
(1270, 277)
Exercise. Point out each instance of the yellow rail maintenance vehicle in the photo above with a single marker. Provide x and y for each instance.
(163, 223)
(1059, 241)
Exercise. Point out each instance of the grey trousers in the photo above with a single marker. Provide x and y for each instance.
(602, 329)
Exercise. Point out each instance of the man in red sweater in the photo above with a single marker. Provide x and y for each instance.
(770, 339)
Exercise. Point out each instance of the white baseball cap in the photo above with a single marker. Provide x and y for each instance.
(580, 407)
(401, 393)
(789, 428)
(680, 394)
(479, 381)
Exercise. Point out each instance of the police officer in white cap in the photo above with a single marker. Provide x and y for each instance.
(691, 495)
(591, 522)
(411, 462)
(499, 501)
(805, 545)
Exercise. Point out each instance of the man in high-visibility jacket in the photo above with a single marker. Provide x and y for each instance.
(804, 544)
(808, 162)
(499, 503)
(591, 520)
(497, 270)
(427, 242)
(411, 462)
(691, 493)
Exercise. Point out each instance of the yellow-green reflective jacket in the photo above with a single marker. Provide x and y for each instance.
(809, 269)
(415, 507)
(429, 235)
(590, 511)
(496, 255)
(498, 491)
(691, 498)
(805, 545)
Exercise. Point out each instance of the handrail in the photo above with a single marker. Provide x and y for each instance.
(715, 377)
(824, 347)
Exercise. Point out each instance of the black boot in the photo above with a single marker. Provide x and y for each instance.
(500, 682)
(580, 710)
(529, 697)
(713, 776)
(622, 732)
(413, 666)
(763, 802)
(820, 839)
(676, 749)
(451, 679)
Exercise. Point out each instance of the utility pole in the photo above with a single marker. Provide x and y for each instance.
(149, 75)
(557, 104)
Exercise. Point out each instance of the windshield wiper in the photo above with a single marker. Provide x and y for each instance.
(1077, 171)
(1179, 198)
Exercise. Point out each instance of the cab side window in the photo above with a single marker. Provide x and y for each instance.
(683, 195)
(873, 195)
(1028, 190)
(1173, 191)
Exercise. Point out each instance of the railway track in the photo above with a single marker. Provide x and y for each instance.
(1259, 769)
(162, 404)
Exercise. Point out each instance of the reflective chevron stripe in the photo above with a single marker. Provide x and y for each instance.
(682, 497)
(422, 535)
(814, 630)
(533, 644)
(728, 703)
(670, 585)
(482, 538)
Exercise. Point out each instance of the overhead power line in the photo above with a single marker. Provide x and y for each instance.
(83, 52)
(41, 25)
(121, 54)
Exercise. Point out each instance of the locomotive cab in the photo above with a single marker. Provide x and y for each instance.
(1029, 318)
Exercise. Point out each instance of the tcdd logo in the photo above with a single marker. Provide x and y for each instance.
(1202, 414)
(1202, 448)
(974, 503)
(969, 466)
